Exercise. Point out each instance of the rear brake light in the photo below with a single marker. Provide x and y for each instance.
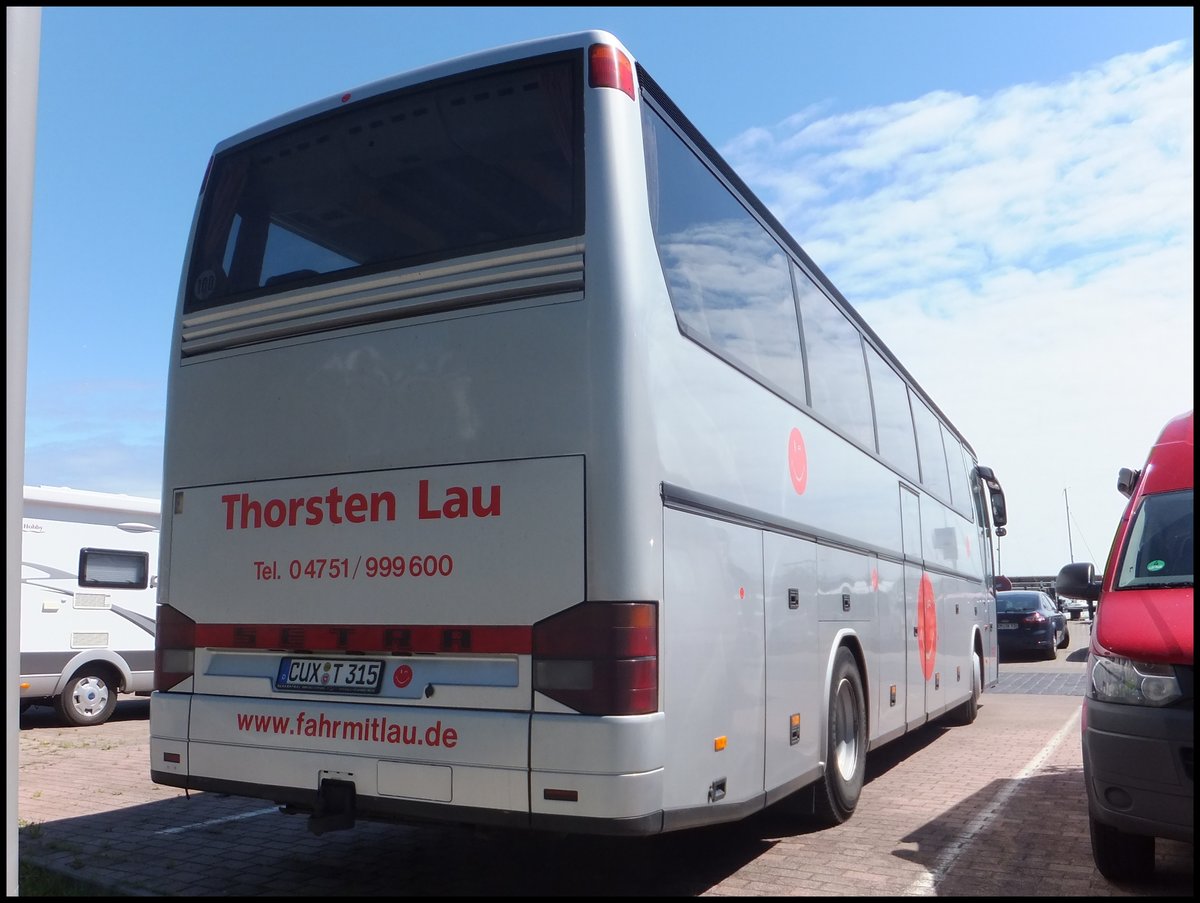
(174, 648)
(1034, 618)
(610, 68)
(599, 658)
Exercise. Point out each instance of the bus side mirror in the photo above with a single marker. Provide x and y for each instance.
(996, 494)
(999, 512)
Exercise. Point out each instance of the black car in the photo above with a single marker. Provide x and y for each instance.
(1029, 621)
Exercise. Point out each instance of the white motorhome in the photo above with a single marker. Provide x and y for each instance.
(89, 568)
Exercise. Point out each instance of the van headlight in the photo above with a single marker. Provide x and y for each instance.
(1121, 680)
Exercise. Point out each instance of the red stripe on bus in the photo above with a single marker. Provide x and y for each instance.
(393, 638)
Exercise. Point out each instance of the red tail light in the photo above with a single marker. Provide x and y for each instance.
(174, 648)
(1034, 618)
(610, 68)
(599, 658)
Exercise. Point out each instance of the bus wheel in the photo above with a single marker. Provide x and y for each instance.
(90, 697)
(967, 712)
(846, 746)
(1120, 856)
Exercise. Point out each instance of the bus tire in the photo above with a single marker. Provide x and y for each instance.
(1120, 856)
(967, 712)
(89, 698)
(838, 791)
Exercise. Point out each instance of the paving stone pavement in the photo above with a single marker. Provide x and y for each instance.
(1040, 683)
(994, 809)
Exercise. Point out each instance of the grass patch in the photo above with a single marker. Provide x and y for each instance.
(36, 881)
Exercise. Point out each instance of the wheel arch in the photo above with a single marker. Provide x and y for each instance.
(113, 663)
(849, 638)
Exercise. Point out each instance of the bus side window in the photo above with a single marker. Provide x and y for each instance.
(837, 369)
(893, 416)
(728, 278)
(934, 472)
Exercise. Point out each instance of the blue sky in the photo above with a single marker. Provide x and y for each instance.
(1004, 193)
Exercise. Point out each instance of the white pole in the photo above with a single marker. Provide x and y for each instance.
(23, 40)
(1070, 546)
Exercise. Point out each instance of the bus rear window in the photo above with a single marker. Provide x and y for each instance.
(443, 170)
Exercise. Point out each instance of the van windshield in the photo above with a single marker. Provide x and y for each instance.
(1158, 550)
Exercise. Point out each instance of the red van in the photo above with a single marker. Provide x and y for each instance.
(1137, 711)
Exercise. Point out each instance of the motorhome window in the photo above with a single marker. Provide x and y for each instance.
(114, 569)
(489, 161)
(727, 276)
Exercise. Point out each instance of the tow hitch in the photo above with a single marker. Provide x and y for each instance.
(334, 810)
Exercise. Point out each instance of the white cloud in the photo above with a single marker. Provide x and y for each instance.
(100, 434)
(1027, 255)
(1029, 258)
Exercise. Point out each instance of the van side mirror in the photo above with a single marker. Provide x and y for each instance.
(1127, 480)
(1078, 581)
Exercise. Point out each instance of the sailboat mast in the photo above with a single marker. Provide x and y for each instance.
(1070, 546)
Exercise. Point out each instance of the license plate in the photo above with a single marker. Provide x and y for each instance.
(1008, 626)
(330, 675)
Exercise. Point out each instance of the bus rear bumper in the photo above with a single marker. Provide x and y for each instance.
(609, 801)
(590, 775)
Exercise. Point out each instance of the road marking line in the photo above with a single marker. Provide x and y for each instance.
(926, 885)
(217, 821)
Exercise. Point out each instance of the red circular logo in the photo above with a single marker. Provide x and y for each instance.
(927, 626)
(402, 676)
(797, 462)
